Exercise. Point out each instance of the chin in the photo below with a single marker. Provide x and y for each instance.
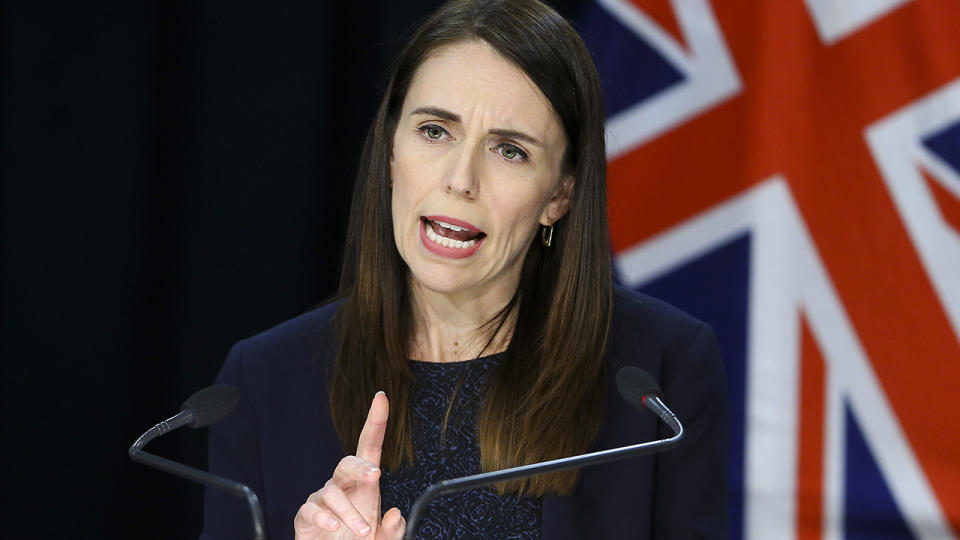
(440, 280)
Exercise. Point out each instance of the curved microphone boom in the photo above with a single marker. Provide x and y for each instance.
(204, 408)
(636, 387)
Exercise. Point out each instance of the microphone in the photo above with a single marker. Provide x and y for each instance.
(639, 389)
(204, 408)
(636, 387)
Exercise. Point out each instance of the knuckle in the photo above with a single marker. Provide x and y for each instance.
(304, 511)
(344, 468)
(303, 517)
(328, 494)
(316, 496)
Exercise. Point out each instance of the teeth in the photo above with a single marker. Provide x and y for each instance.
(448, 242)
(451, 227)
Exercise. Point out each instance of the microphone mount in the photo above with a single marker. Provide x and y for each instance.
(224, 400)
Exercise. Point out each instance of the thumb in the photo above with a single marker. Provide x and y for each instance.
(393, 526)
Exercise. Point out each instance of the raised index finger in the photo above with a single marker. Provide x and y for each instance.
(374, 429)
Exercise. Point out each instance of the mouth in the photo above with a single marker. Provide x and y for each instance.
(451, 237)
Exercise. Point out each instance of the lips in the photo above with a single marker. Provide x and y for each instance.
(450, 237)
(452, 228)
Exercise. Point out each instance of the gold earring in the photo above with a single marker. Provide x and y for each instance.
(546, 235)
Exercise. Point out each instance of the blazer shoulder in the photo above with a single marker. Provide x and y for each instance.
(653, 334)
(305, 341)
(318, 320)
(637, 312)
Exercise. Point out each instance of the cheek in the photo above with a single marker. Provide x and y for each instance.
(522, 210)
(399, 202)
(400, 212)
(413, 179)
(401, 206)
(398, 186)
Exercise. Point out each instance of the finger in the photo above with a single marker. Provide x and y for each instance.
(360, 481)
(311, 515)
(352, 471)
(392, 526)
(340, 506)
(374, 429)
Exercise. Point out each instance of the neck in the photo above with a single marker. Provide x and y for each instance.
(452, 327)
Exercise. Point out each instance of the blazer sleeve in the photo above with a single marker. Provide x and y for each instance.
(233, 452)
(691, 479)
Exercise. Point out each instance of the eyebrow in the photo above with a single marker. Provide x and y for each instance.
(518, 135)
(438, 112)
(454, 117)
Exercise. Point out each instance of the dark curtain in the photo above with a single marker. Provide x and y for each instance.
(175, 177)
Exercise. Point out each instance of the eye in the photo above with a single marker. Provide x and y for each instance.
(511, 152)
(433, 132)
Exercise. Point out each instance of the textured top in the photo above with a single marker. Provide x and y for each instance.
(280, 439)
(441, 455)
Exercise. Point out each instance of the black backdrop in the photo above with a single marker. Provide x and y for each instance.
(175, 177)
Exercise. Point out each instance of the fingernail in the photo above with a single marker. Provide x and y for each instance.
(379, 393)
(372, 470)
(401, 523)
(362, 527)
(333, 524)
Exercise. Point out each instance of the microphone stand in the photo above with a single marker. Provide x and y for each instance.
(137, 454)
(595, 458)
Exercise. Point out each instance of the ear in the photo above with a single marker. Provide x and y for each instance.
(560, 202)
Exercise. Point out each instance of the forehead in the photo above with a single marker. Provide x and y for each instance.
(473, 78)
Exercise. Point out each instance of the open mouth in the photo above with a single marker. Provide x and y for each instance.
(458, 235)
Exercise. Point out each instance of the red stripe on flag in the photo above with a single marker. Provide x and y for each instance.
(811, 436)
(949, 206)
(662, 13)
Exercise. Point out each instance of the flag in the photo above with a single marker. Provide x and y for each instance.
(789, 172)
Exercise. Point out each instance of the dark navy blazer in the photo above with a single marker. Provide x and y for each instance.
(280, 440)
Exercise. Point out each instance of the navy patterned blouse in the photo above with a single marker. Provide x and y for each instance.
(476, 513)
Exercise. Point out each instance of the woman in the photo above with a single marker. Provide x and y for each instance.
(477, 312)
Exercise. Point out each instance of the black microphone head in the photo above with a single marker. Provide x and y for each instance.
(211, 404)
(635, 383)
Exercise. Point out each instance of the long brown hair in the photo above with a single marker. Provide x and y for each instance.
(546, 398)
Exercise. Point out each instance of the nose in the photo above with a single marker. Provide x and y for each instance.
(462, 177)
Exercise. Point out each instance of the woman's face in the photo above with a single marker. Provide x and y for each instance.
(476, 166)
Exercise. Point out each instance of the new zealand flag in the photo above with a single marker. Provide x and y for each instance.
(789, 171)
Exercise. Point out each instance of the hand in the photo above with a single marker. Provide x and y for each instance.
(348, 505)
